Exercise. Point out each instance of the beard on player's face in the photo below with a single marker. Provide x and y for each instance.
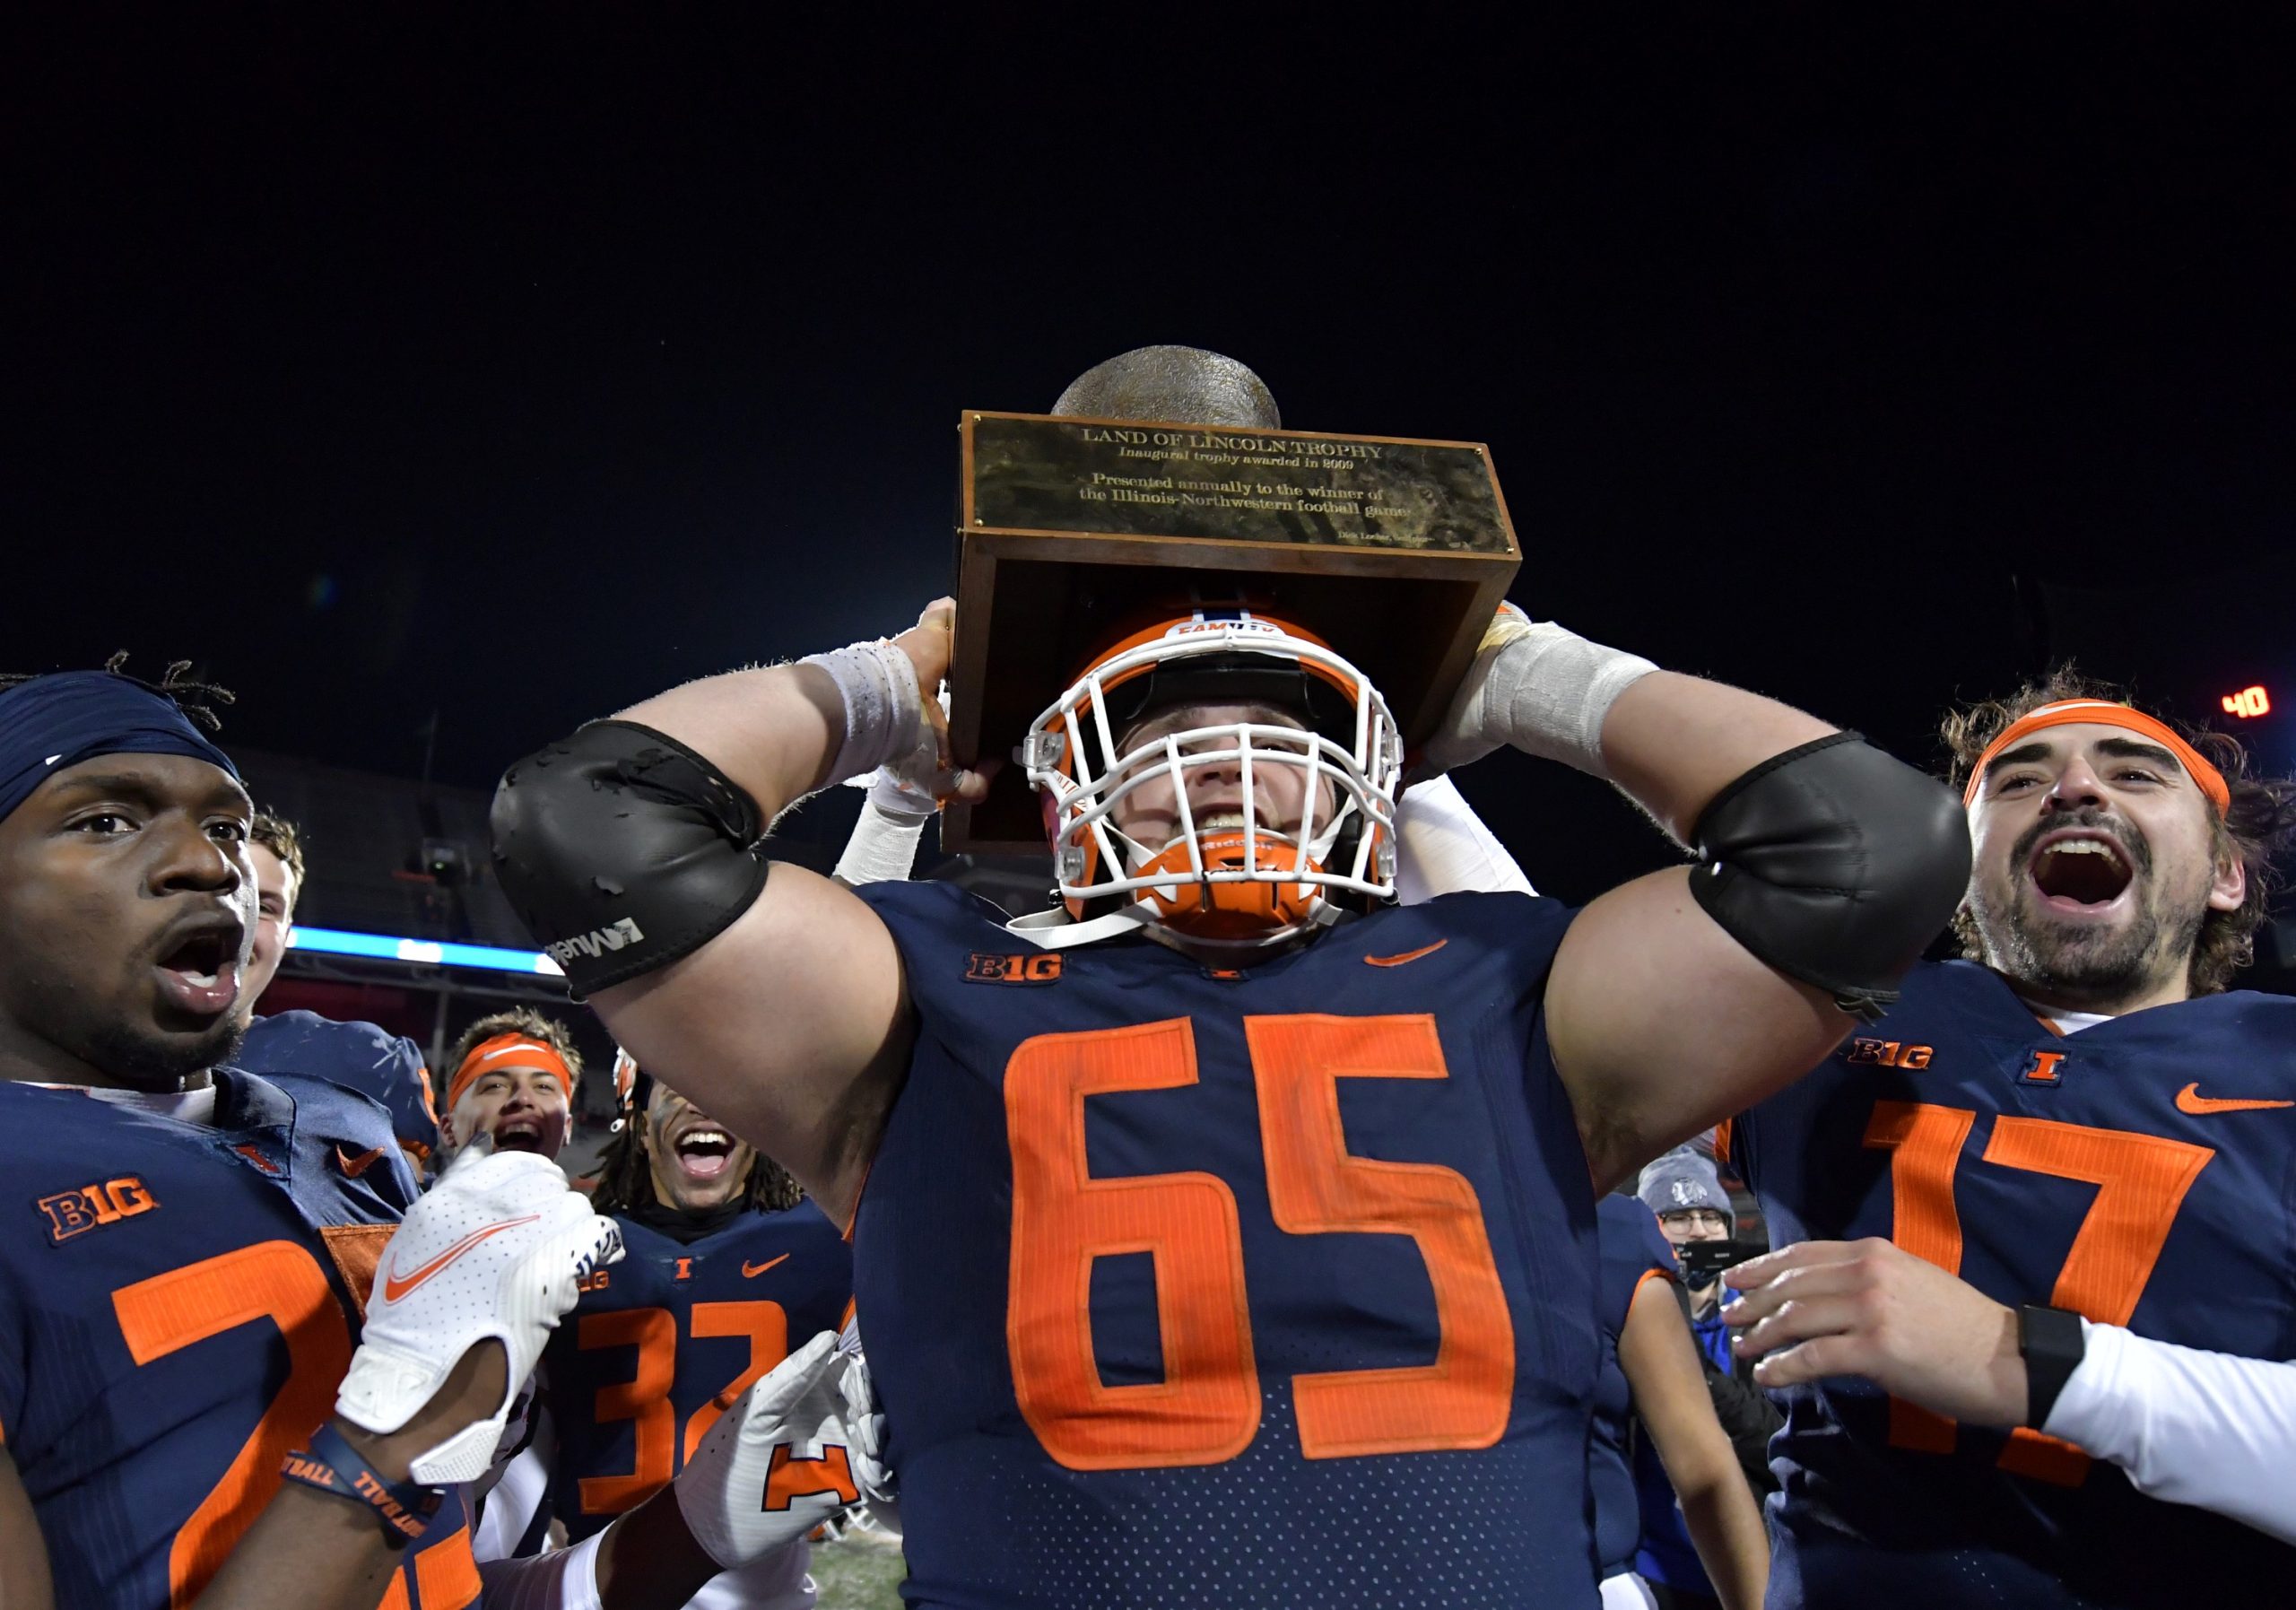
(150, 1059)
(115, 1032)
(2075, 959)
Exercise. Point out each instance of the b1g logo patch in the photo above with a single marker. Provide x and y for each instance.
(1888, 1053)
(72, 1213)
(1033, 967)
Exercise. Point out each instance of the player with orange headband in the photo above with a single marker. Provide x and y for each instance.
(514, 1079)
(514, 1075)
(2043, 1209)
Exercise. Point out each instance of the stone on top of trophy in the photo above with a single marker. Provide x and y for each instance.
(1172, 385)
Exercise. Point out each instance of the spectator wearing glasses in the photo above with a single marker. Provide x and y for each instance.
(1683, 1189)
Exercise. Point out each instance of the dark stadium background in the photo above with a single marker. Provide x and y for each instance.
(437, 379)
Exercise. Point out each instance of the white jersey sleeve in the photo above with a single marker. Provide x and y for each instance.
(2189, 1426)
(1443, 848)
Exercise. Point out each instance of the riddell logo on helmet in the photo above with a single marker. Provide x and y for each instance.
(598, 942)
(1241, 623)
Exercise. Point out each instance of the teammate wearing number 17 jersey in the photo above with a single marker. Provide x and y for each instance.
(1228, 1238)
(2078, 1121)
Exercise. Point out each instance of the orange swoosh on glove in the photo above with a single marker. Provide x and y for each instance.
(395, 1286)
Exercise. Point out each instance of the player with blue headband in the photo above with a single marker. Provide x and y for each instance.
(222, 1377)
(241, 1363)
(106, 786)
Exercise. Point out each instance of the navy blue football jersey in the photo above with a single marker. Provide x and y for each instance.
(1630, 1250)
(2142, 1172)
(177, 1306)
(633, 1376)
(287, 1045)
(1270, 1286)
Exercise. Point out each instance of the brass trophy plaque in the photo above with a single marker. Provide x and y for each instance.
(1394, 550)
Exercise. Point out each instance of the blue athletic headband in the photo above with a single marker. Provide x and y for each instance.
(53, 722)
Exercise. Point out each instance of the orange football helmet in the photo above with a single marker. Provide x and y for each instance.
(1236, 881)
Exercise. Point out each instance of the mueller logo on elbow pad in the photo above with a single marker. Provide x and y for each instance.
(596, 943)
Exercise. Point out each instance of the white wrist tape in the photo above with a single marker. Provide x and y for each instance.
(1549, 690)
(882, 849)
(1442, 847)
(884, 715)
(1539, 687)
(566, 1578)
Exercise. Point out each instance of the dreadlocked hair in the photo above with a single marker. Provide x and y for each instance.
(626, 1178)
(193, 697)
(2255, 827)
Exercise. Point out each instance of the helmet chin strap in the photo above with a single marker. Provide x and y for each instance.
(1243, 953)
(1056, 930)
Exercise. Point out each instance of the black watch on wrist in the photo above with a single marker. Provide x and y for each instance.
(2052, 1344)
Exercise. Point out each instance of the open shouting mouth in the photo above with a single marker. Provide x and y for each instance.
(199, 964)
(704, 1152)
(522, 1132)
(2080, 871)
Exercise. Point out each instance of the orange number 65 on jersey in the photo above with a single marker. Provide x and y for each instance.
(1206, 1408)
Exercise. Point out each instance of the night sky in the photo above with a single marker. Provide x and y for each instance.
(513, 367)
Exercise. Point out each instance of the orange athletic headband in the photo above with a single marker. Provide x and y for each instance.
(2101, 712)
(532, 1053)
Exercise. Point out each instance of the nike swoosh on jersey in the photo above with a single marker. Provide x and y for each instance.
(752, 1271)
(1397, 960)
(2190, 1100)
(395, 1286)
(353, 1166)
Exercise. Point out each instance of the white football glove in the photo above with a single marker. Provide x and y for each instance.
(777, 1464)
(866, 1423)
(495, 1249)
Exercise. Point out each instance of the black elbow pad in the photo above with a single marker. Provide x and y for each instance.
(1836, 864)
(622, 850)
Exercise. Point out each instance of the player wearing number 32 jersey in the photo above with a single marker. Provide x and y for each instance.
(2083, 1123)
(726, 1272)
(1227, 1236)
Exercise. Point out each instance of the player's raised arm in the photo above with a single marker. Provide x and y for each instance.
(633, 849)
(1825, 867)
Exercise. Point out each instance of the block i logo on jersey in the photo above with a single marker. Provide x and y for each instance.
(2041, 1067)
(75, 1213)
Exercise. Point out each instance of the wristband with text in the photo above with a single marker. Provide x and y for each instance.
(331, 1464)
(2052, 1342)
